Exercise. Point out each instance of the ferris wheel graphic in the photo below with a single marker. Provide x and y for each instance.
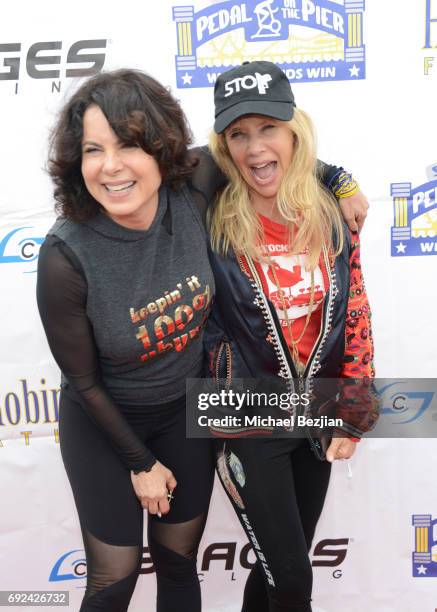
(268, 25)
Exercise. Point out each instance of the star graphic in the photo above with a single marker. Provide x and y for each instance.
(355, 71)
(401, 247)
(421, 570)
(186, 78)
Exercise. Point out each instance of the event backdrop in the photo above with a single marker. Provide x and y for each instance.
(367, 73)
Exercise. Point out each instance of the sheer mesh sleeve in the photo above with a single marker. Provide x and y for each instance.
(61, 297)
(207, 178)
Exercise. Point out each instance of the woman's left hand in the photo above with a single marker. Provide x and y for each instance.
(354, 210)
(340, 448)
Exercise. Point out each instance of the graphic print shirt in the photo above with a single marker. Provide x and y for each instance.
(124, 312)
(147, 296)
(289, 287)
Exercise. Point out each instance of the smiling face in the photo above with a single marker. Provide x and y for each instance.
(262, 150)
(124, 179)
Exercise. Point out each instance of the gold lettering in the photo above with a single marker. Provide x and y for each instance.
(193, 283)
(194, 332)
(143, 336)
(183, 310)
(135, 318)
(164, 346)
(168, 322)
(161, 304)
(201, 301)
(180, 342)
(147, 356)
(157, 306)
(152, 307)
(138, 315)
(175, 295)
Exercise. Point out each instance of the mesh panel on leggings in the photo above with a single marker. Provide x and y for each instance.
(108, 563)
(182, 538)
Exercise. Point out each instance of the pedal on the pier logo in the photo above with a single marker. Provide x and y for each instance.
(414, 229)
(425, 546)
(311, 40)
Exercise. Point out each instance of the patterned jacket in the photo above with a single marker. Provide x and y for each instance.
(244, 339)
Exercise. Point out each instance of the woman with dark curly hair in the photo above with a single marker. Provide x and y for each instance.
(124, 288)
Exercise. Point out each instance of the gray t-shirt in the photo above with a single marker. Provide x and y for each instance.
(148, 293)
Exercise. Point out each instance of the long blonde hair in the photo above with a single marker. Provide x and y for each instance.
(304, 203)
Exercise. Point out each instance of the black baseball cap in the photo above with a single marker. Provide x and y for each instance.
(254, 88)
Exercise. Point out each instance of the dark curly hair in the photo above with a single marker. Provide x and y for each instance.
(141, 111)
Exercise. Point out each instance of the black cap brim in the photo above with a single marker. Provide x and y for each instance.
(278, 110)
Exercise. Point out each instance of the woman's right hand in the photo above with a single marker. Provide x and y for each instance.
(152, 488)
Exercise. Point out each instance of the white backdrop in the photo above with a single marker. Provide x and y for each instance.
(375, 114)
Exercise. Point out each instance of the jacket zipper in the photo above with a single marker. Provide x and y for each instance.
(224, 346)
(313, 363)
(261, 301)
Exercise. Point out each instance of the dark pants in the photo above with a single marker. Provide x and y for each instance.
(278, 489)
(111, 516)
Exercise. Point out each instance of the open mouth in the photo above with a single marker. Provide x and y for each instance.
(119, 188)
(264, 172)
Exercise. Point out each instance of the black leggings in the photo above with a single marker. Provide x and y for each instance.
(278, 489)
(111, 516)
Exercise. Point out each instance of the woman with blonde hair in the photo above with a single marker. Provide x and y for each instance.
(290, 303)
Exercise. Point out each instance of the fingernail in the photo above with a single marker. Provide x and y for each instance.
(159, 514)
